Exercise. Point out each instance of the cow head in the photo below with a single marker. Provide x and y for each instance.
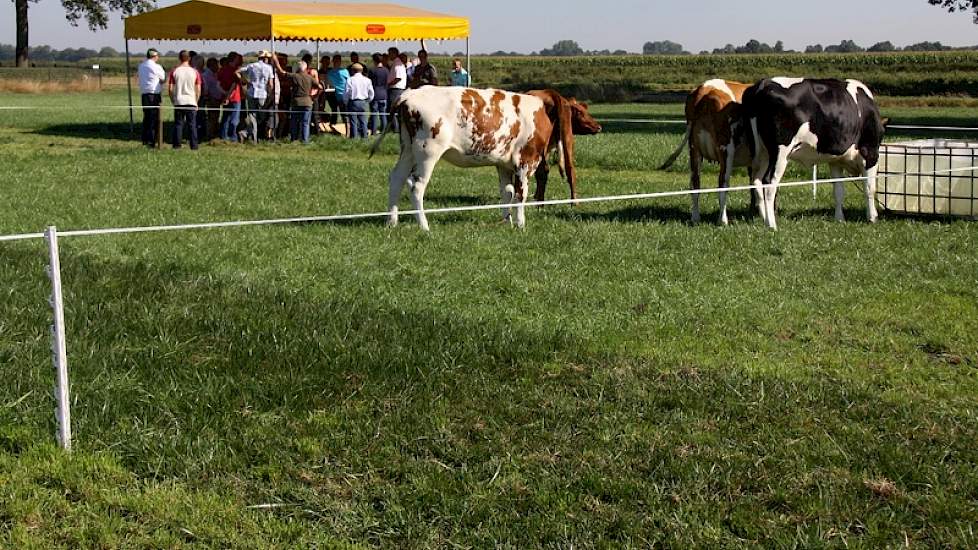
(582, 123)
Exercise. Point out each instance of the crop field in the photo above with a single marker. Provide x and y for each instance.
(612, 376)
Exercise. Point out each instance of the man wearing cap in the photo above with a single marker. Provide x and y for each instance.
(151, 78)
(259, 76)
(359, 93)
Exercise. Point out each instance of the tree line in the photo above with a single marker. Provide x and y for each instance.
(563, 48)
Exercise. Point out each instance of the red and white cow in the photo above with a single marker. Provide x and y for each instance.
(711, 110)
(471, 128)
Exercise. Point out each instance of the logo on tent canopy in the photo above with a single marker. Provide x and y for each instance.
(376, 29)
(194, 29)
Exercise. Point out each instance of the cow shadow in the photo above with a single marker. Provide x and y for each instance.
(647, 214)
(93, 130)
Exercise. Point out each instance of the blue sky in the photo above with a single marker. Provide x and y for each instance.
(526, 25)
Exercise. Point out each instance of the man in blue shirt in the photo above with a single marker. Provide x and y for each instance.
(259, 77)
(460, 77)
(337, 77)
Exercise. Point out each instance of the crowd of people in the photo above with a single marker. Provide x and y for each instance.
(270, 99)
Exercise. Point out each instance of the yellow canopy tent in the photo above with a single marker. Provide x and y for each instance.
(291, 21)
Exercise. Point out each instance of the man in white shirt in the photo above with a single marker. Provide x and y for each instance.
(184, 87)
(398, 82)
(151, 77)
(259, 76)
(359, 94)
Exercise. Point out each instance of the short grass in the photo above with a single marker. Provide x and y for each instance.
(612, 376)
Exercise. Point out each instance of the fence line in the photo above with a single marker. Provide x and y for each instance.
(350, 113)
(472, 208)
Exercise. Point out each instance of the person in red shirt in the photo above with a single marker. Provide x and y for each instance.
(230, 80)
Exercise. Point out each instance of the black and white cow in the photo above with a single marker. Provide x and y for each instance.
(812, 121)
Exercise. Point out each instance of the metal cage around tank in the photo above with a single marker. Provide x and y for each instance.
(917, 178)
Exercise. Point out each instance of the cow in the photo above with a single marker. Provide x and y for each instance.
(812, 121)
(470, 128)
(712, 110)
(582, 124)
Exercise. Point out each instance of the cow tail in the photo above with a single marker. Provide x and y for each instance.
(566, 133)
(675, 154)
(395, 111)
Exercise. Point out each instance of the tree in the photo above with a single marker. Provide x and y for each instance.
(108, 51)
(662, 47)
(958, 5)
(94, 12)
(883, 47)
(846, 46)
(926, 47)
(563, 48)
(817, 48)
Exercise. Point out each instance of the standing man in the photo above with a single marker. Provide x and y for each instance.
(396, 84)
(301, 85)
(151, 78)
(359, 94)
(184, 88)
(337, 76)
(378, 107)
(230, 80)
(424, 73)
(259, 76)
(213, 97)
(460, 77)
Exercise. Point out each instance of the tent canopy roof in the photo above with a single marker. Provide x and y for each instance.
(305, 21)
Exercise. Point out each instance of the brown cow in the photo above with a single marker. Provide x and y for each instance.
(711, 110)
(582, 124)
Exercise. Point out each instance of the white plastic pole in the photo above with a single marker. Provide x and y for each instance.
(814, 181)
(468, 61)
(58, 348)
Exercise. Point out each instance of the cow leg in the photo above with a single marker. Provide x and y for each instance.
(760, 171)
(870, 190)
(771, 191)
(506, 190)
(726, 168)
(522, 188)
(541, 176)
(695, 164)
(424, 167)
(399, 175)
(839, 189)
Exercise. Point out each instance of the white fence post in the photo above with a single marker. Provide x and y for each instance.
(58, 347)
(814, 181)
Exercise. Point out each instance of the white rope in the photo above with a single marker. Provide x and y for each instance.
(367, 215)
(350, 113)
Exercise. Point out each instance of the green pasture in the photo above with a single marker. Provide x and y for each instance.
(612, 376)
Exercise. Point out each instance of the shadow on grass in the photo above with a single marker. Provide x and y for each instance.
(645, 214)
(113, 130)
(388, 416)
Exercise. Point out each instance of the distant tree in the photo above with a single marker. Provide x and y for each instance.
(620, 52)
(886, 46)
(958, 5)
(817, 48)
(94, 12)
(662, 47)
(846, 46)
(755, 46)
(563, 48)
(779, 47)
(926, 47)
(729, 48)
(7, 52)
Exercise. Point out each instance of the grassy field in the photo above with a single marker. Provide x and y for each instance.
(610, 377)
